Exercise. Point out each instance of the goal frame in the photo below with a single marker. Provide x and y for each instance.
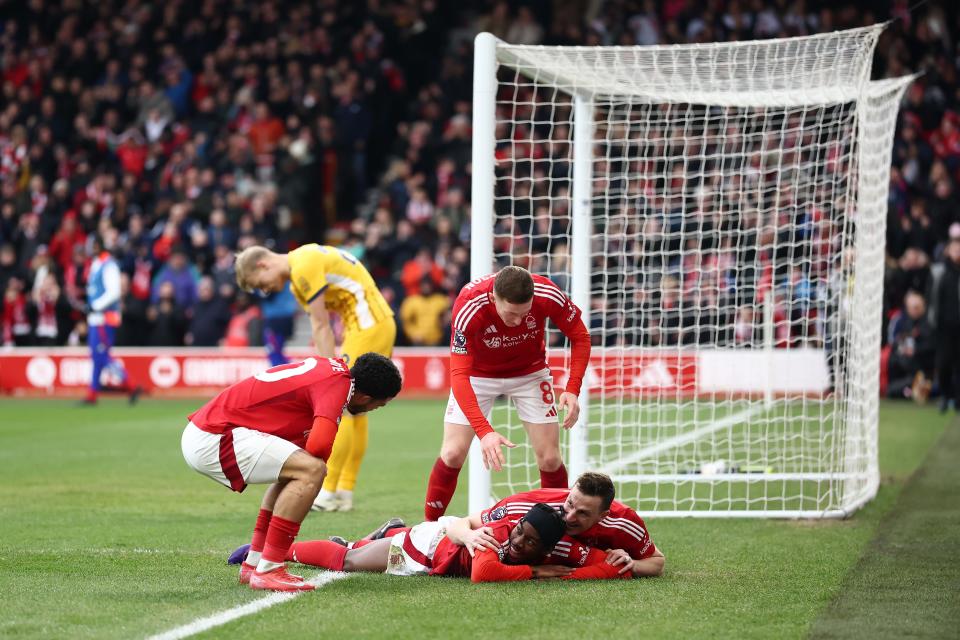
(485, 88)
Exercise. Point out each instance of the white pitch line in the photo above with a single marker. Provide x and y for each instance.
(223, 617)
(682, 439)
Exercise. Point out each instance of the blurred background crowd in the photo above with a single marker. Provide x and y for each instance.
(184, 131)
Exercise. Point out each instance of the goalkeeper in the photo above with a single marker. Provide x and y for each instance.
(498, 347)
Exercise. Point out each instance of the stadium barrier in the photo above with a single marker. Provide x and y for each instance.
(204, 372)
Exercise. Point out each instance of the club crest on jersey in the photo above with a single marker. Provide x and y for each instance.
(531, 322)
(459, 343)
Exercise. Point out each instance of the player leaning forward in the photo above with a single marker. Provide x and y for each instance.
(278, 428)
(325, 279)
(498, 348)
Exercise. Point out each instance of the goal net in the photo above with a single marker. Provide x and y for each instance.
(718, 213)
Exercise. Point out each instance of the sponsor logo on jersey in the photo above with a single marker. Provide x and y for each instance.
(492, 343)
(584, 552)
(490, 329)
(459, 343)
(572, 312)
(531, 322)
(512, 341)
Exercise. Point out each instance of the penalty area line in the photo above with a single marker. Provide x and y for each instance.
(250, 608)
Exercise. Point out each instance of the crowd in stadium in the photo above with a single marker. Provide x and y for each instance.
(183, 132)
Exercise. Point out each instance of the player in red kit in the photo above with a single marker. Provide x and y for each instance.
(278, 428)
(591, 515)
(498, 348)
(522, 552)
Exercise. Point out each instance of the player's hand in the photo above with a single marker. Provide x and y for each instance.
(481, 538)
(570, 405)
(551, 571)
(493, 457)
(618, 557)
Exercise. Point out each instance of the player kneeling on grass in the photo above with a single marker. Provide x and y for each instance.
(278, 428)
(591, 516)
(522, 552)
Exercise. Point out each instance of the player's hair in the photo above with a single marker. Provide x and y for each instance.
(245, 264)
(376, 376)
(548, 523)
(514, 284)
(597, 485)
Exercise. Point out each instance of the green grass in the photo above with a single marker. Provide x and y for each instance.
(105, 533)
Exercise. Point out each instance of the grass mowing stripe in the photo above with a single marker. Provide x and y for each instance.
(223, 617)
(906, 582)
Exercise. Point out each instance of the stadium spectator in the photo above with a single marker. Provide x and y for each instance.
(168, 320)
(215, 136)
(911, 339)
(944, 315)
(423, 315)
(209, 316)
(182, 278)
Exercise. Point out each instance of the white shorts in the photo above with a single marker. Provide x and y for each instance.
(237, 458)
(411, 553)
(531, 394)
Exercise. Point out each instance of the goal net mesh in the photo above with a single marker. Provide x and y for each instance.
(737, 209)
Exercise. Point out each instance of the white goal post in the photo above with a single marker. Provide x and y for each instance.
(718, 213)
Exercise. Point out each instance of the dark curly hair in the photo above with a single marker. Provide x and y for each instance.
(376, 376)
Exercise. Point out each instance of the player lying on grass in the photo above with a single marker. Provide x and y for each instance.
(278, 428)
(590, 514)
(521, 552)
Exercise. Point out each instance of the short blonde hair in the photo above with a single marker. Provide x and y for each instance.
(246, 264)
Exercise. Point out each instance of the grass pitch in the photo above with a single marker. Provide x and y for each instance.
(105, 533)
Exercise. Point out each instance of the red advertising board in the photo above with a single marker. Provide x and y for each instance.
(200, 372)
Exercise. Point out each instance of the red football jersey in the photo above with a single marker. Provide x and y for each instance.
(495, 350)
(451, 559)
(282, 401)
(622, 528)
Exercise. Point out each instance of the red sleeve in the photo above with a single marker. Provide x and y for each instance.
(579, 355)
(322, 434)
(488, 568)
(329, 399)
(596, 568)
(463, 393)
(567, 316)
(461, 365)
(626, 530)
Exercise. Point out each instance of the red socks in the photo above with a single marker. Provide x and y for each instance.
(554, 479)
(319, 553)
(260, 530)
(440, 489)
(280, 536)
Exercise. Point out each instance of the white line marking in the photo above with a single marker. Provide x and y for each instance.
(682, 439)
(223, 617)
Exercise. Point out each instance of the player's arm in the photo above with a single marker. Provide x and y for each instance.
(470, 532)
(111, 288)
(647, 567)
(322, 434)
(596, 567)
(323, 338)
(568, 318)
(461, 364)
(487, 567)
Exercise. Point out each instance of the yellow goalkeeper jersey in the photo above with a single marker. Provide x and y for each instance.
(346, 285)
